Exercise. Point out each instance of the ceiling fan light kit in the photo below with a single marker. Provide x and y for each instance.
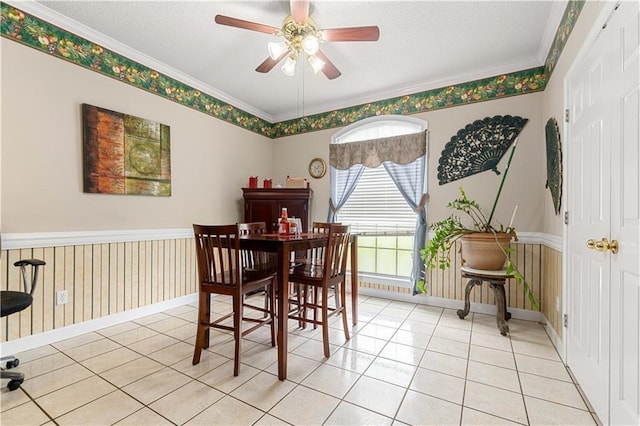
(276, 49)
(301, 35)
(310, 44)
(299, 38)
(289, 67)
(316, 63)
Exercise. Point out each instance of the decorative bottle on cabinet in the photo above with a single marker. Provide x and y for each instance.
(283, 227)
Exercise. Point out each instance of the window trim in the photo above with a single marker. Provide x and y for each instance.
(424, 125)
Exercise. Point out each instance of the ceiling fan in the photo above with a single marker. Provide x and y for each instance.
(301, 37)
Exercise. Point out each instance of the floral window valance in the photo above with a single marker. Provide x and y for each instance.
(371, 153)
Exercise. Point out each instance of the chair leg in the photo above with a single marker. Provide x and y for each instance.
(10, 361)
(197, 351)
(202, 335)
(16, 378)
(315, 310)
(325, 320)
(303, 299)
(337, 297)
(297, 288)
(343, 307)
(207, 318)
(267, 296)
(237, 331)
(272, 309)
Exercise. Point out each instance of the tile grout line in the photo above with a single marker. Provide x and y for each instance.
(397, 326)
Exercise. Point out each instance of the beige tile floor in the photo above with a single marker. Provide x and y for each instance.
(405, 364)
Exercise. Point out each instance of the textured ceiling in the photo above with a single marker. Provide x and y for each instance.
(423, 45)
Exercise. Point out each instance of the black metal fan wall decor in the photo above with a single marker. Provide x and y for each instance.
(478, 147)
(554, 162)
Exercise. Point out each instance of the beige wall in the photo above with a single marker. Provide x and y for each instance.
(553, 100)
(41, 186)
(42, 153)
(524, 186)
(291, 157)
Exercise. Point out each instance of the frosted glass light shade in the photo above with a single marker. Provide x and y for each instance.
(316, 63)
(276, 49)
(310, 45)
(289, 67)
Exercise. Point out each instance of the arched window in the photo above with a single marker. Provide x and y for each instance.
(367, 193)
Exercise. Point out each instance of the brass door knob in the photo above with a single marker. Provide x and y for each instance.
(603, 245)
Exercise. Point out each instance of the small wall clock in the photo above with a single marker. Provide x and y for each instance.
(554, 162)
(317, 168)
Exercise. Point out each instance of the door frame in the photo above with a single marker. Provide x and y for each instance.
(596, 28)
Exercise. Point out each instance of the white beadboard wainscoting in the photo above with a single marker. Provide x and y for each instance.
(114, 276)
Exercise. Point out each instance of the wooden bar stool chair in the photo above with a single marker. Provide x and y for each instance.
(315, 256)
(323, 276)
(221, 271)
(253, 259)
(257, 260)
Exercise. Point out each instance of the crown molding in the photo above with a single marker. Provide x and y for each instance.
(40, 11)
(551, 29)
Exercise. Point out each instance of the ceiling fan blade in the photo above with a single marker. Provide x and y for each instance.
(300, 10)
(269, 63)
(351, 34)
(328, 69)
(247, 25)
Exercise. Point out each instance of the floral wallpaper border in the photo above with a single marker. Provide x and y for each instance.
(45, 37)
(31, 31)
(516, 83)
(569, 18)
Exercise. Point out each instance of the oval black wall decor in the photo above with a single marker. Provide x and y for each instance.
(554, 162)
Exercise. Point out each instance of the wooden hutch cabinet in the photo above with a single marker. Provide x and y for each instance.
(265, 205)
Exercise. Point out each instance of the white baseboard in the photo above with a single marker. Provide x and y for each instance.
(482, 308)
(555, 339)
(52, 336)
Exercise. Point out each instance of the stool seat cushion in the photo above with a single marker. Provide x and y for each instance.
(501, 273)
(14, 301)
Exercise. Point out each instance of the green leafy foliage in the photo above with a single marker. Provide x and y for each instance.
(447, 231)
(436, 253)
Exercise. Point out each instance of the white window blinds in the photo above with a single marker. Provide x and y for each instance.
(376, 205)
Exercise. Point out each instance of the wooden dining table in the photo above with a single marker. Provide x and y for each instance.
(284, 245)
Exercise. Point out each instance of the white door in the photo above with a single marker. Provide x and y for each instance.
(625, 216)
(603, 335)
(588, 205)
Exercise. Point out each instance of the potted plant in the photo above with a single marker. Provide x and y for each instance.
(484, 246)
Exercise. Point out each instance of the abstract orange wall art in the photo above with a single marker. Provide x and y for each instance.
(124, 154)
